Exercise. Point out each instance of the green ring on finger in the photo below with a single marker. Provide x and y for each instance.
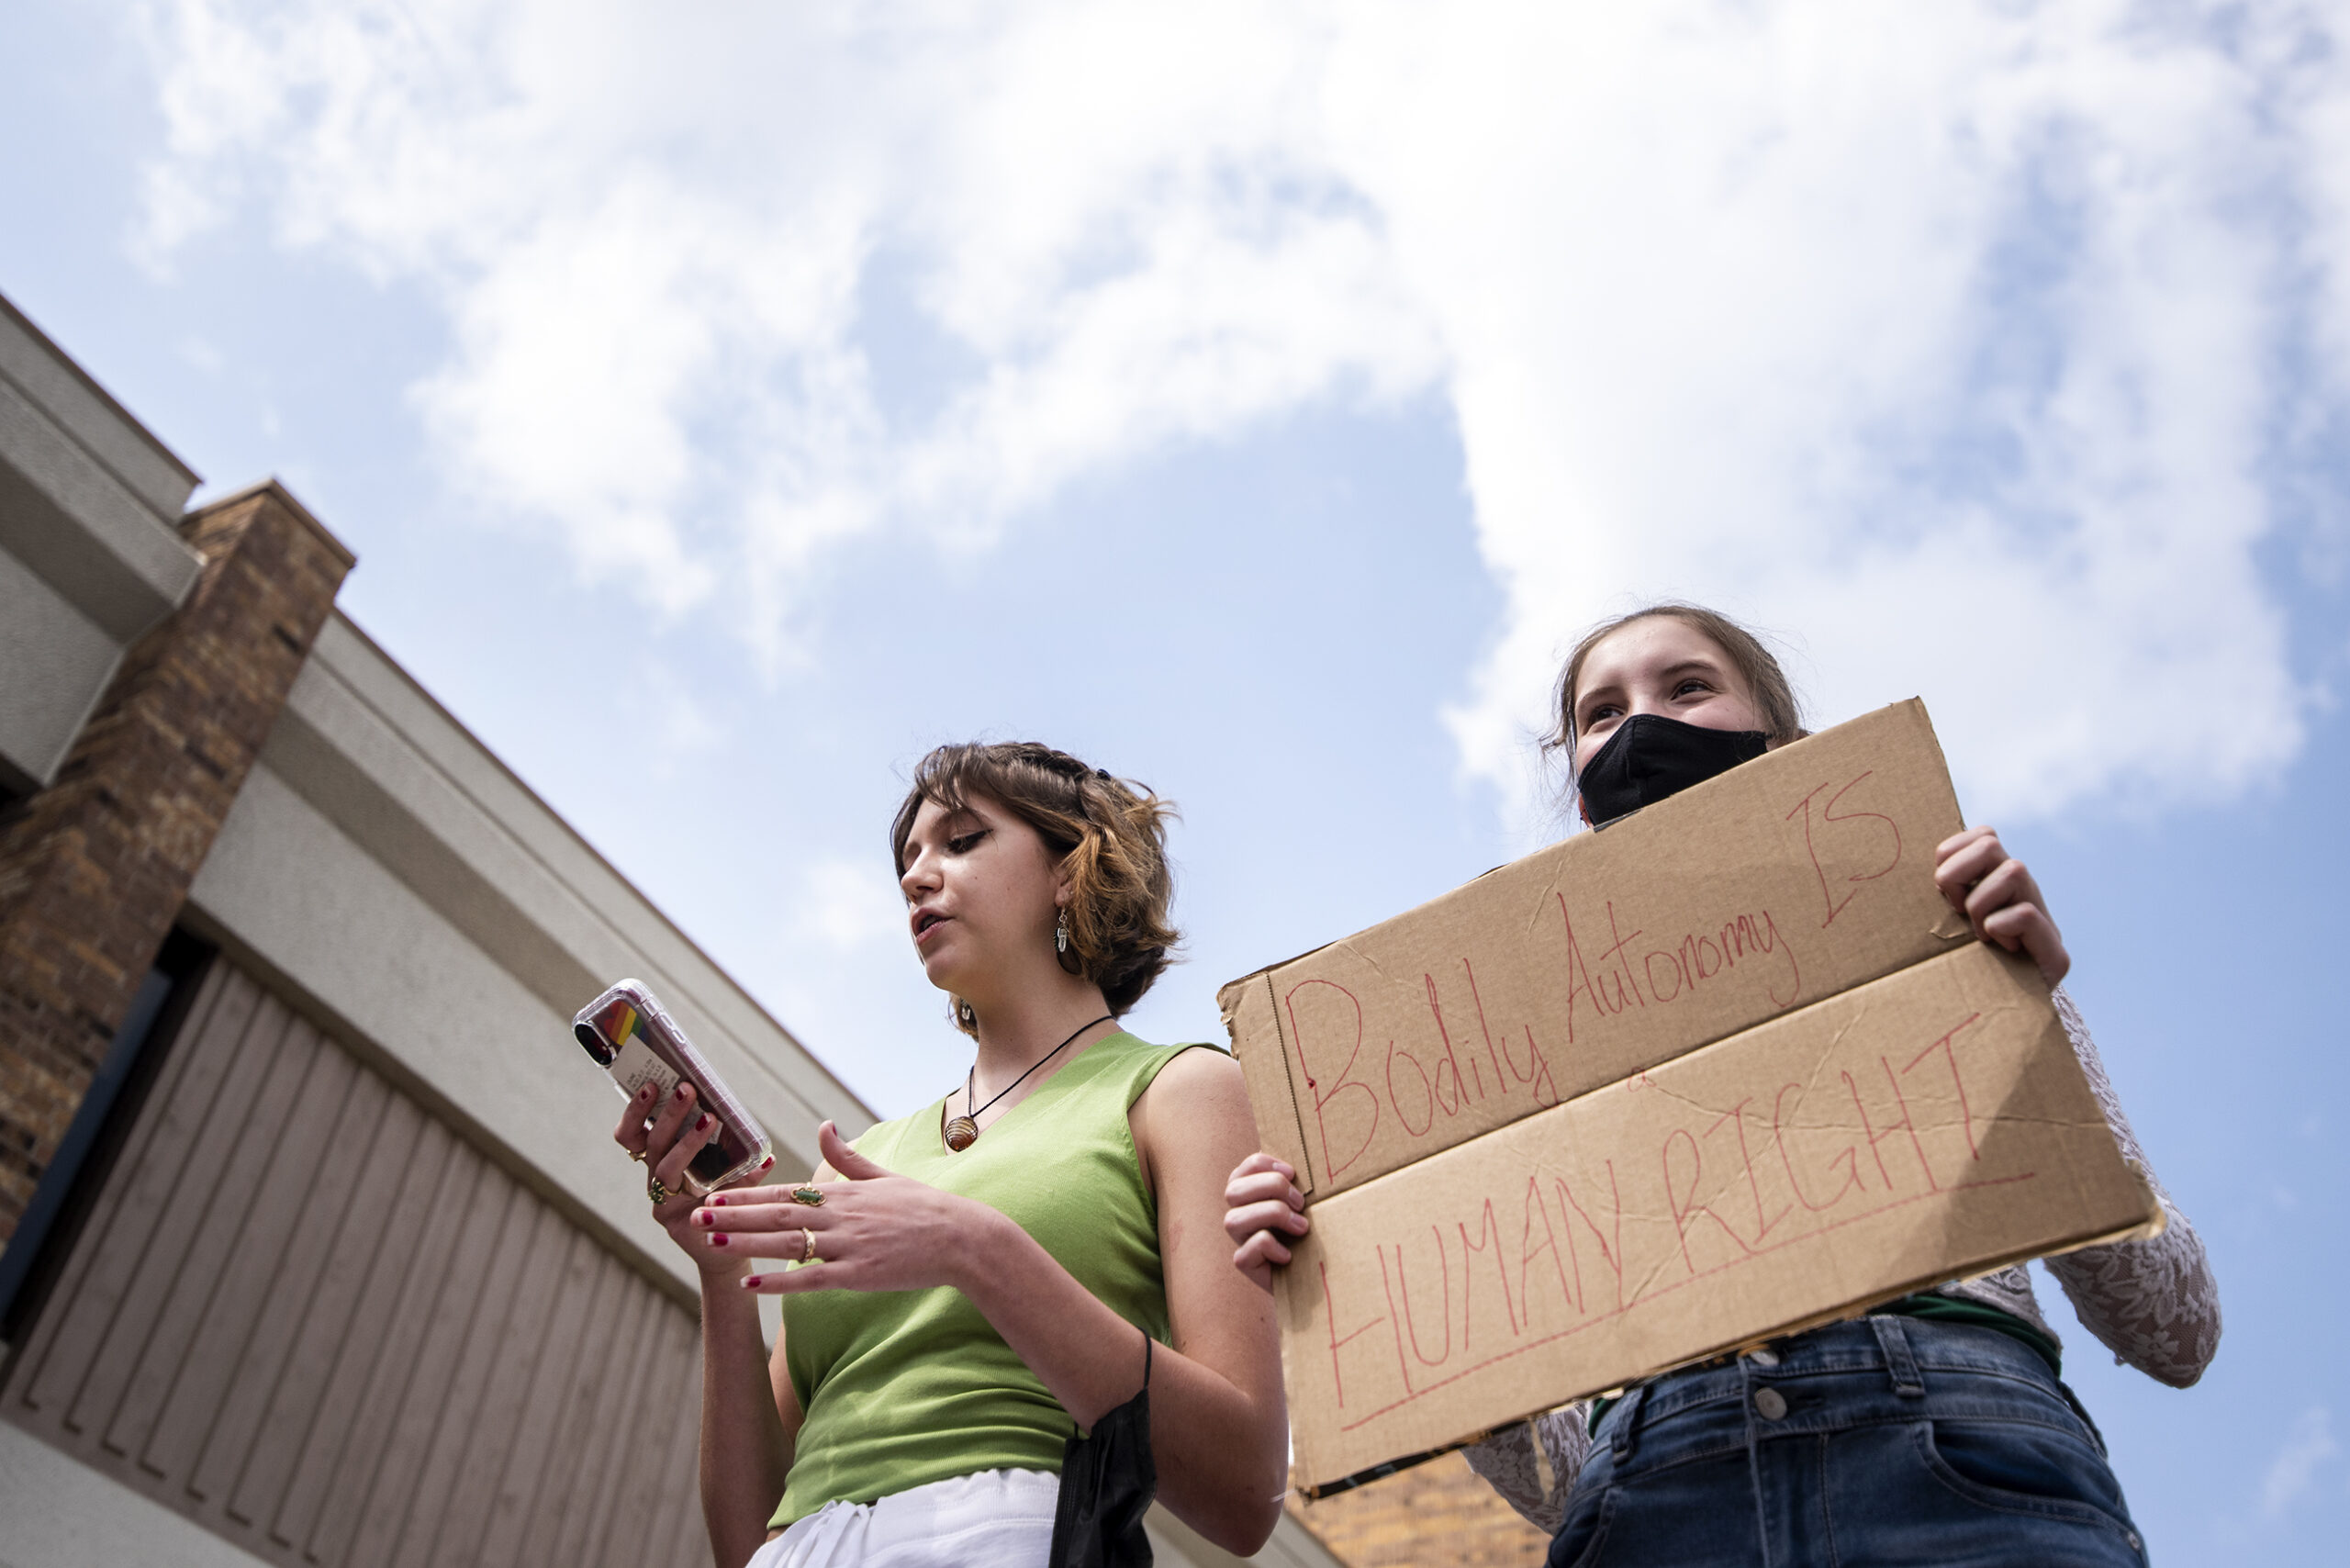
(655, 1189)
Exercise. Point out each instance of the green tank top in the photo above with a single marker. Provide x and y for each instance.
(901, 1388)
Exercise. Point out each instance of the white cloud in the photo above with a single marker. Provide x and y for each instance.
(2307, 1446)
(1942, 340)
(848, 905)
(1972, 346)
(651, 230)
(673, 726)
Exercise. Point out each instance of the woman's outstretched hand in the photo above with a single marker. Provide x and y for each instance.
(872, 1231)
(1261, 1206)
(1996, 894)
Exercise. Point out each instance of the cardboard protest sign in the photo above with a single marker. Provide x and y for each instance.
(1786, 880)
(1929, 1126)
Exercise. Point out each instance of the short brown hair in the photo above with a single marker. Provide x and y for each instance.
(1775, 698)
(1111, 836)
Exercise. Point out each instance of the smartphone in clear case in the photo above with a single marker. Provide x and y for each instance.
(633, 1038)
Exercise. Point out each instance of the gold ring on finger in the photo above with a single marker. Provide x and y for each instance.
(808, 1193)
(655, 1189)
(808, 1247)
(637, 1155)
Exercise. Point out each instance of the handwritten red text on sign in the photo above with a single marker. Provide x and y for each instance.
(1451, 1060)
(1553, 1245)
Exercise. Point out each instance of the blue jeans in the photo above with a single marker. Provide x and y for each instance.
(1881, 1441)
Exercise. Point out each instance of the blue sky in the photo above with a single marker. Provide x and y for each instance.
(1254, 399)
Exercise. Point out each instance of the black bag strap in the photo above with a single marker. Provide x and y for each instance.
(1107, 1480)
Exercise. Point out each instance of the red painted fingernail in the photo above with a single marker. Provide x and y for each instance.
(684, 1089)
(701, 1121)
(768, 1163)
(750, 1282)
(718, 1200)
(704, 1218)
(719, 1239)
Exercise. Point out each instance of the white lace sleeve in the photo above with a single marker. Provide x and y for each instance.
(2153, 1303)
(1536, 1481)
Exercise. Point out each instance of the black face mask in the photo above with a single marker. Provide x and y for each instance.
(1650, 757)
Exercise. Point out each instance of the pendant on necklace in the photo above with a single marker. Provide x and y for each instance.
(961, 1133)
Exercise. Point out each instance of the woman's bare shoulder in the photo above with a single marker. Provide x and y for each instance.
(1195, 1112)
(1199, 1076)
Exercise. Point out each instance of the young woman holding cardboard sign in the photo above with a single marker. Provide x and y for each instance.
(966, 1286)
(1935, 1430)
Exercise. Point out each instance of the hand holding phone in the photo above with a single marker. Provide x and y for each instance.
(633, 1038)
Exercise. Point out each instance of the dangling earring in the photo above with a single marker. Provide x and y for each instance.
(1071, 963)
(965, 1015)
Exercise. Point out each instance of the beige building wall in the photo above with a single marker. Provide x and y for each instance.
(89, 557)
(381, 869)
(306, 1316)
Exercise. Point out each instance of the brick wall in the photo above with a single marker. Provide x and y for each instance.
(1437, 1512)
(94, 869)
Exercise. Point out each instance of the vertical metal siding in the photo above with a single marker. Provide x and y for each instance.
(307, 1316)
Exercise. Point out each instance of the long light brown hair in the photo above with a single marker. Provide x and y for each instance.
(1774, 695)
(1108, 834)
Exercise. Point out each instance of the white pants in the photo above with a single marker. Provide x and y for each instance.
(996, 1518)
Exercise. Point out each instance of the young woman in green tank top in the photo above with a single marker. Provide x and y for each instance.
(973, 1282)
